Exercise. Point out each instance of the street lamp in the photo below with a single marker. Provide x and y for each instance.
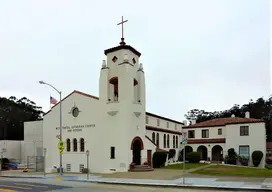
(60, 113)
(87, 153)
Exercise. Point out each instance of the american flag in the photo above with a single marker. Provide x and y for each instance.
(53, 101)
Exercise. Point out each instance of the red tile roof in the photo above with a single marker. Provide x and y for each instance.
(224, 121)
(94, 97)
(219, 140)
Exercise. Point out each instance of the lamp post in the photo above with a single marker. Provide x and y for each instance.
(60, 113)
(87, 154)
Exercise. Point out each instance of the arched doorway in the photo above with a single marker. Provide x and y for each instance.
(137, 146)
(203, 152)
(217, 153)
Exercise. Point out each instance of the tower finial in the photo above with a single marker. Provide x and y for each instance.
(122, 23)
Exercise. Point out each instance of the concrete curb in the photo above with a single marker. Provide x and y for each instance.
(24, 177)
(187, 186)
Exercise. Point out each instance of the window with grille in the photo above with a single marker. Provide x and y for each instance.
(244, 131)
(205, 133)
(68, 167)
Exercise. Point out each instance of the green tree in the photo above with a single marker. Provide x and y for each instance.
(13, 113)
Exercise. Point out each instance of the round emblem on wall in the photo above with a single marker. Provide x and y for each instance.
(75, 111)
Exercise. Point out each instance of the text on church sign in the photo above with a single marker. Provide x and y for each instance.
(76, 128)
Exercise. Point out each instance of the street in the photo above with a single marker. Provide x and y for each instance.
(40, 185)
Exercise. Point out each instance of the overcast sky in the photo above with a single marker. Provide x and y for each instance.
(205, 54)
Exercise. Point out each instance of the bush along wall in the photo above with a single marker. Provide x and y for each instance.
(257, 157)
(194, 157)
(172, 153)
(231, 158)
(159, 159)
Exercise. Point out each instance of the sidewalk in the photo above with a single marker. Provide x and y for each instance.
(191, 181)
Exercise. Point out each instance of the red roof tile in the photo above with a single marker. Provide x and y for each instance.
(219, 140)
(224, 121)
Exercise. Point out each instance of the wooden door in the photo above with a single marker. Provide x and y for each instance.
(149, 157)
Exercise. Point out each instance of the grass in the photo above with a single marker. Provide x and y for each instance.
(224, 170)
(187, 166)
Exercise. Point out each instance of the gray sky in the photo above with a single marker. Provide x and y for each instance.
(206, 54)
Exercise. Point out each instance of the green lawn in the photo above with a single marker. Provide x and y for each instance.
(224, 170)
(187, 166)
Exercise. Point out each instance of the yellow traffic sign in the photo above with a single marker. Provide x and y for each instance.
(61, 151)
(61, 145)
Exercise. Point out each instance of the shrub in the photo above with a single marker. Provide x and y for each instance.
(231, 158)
(172, 153)
(257, 157)
(159, 159)
(231, 153)
(194, 157)
(243, 160)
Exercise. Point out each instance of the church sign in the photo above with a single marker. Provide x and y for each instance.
(76, 128)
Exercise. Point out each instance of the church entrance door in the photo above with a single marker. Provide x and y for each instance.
(137, 152)
(137, 146)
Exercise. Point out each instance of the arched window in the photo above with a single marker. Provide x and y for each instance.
(75, 145)
(168, 141)
(82, 145)
(174, 141)
(158, 140)
(177, 142)
(164, 141)
(68, 145)
(153, 137)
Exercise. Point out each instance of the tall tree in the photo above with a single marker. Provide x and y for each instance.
(13, 113)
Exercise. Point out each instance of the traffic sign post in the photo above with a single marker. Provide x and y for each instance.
(184, 142)
(61, 147)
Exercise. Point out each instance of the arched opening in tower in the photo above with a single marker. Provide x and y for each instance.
(136, 91)
(114, 88)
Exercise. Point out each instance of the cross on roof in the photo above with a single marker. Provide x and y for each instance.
(122, 23)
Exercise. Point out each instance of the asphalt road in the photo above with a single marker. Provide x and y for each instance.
(42, 185)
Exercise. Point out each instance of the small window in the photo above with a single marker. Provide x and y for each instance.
(146, 119)
(114, 59)
(68, 145)
(134, 60)
(82, 145)
(68, 167)
(167, 124)
(174, 141)
(219, 131)
(175, 126)
(244, 131)
(153, 137)
(205, 133)
(81, 166)
(191, 134)
(112, 154)
(158, 140)
(168, 141)
(158, 122)
(75, 145)
(244, 151)
(164, 141)
(177, 142)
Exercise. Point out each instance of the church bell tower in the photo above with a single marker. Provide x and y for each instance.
(122, 97)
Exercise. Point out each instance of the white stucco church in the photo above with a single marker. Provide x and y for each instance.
(117, 131)
(114, 127)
